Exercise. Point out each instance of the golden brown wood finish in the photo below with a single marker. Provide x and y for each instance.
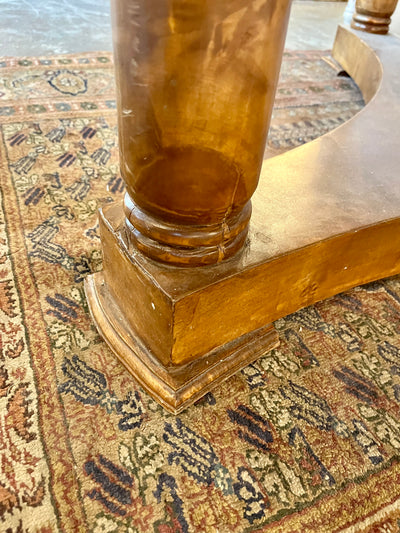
(326, 217)
(130, 281)
(373, 16)
(195, 84)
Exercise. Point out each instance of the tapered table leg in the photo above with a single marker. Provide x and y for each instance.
(349, 11)
(196, 84)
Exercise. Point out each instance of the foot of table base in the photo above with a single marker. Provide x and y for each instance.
(141, 322)
(175, 388)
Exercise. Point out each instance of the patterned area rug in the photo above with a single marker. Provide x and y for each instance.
(305, 439)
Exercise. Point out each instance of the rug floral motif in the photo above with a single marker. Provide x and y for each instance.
(305, 439)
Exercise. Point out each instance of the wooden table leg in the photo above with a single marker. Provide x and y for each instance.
(373, 16)
(195, 84)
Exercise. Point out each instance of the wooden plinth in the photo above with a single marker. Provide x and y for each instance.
(157, 331)
(326, 217)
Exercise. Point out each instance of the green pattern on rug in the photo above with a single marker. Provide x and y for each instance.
(305, 439)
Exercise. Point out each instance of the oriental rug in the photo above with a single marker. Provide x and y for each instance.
(305, 439)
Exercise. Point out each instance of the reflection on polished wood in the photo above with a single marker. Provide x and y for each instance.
(373, 16)
(326, 217)
(195, 89)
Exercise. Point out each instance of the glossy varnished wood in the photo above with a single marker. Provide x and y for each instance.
(196, 83)
(326, 217)
(373, 16)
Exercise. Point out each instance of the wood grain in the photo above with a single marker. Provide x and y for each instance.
(196, 84)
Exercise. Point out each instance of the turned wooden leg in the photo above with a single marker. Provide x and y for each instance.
(196, 84)
(195, 89)
(373, 16)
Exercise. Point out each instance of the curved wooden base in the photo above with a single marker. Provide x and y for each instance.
(326, 217)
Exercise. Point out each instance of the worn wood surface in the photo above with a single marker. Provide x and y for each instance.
(326, 217)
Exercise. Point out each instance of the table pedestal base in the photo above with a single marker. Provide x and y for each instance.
(129, 328)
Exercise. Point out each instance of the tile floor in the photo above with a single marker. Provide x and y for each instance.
(41, 27)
